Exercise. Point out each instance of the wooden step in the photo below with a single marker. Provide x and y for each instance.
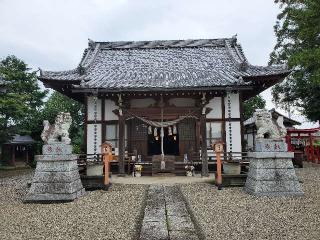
(164, 174)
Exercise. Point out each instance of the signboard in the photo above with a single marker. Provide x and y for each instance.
(218, 147)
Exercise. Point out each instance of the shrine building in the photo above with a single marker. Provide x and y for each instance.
(164, 97)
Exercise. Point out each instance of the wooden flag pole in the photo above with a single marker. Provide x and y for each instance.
(218, 149)
(106, 150)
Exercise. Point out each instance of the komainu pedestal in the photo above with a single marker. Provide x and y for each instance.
(56, 178)
(271, 172)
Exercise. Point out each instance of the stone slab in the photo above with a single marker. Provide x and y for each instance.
(52, 157)
(175, 209)
(180, 223)
(48, 197)
(183, 235)
(154, 214)
(56, 188)
(166, 214)
(56, 166)
(56, 149)
(270, 145)
(273, 186)
(53, 177)
(274, 194)
(56, 176)
(273, 174)
(270, 155)
(154, 231)
(282, 163)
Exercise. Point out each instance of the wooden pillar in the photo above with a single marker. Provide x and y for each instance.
(204, 154)
(241, 108)
(13, 155)
(121, 144)
(85, 125)
(103, 124)
(224, 135)
(26, 153)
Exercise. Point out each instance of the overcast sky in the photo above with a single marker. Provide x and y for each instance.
(52, 34)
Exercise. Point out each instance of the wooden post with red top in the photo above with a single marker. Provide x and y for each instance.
(106, 150)
(218, 149)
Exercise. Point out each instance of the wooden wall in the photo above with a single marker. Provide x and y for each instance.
(224, 109)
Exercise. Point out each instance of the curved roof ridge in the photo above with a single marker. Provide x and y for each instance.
(42, 72)
(68, 75)
(86, 63)
(163, 43)
(240, 52)
(240, 62)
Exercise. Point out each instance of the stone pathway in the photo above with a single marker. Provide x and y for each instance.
(166, 215)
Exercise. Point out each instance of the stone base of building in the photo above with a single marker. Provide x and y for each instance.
(272, 174)
(56, 177)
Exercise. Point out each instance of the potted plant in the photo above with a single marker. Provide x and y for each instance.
(189, 170)
(137, 170)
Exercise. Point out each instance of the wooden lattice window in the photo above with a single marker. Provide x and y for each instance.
(186, 129)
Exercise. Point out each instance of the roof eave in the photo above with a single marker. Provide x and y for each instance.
(119, 90)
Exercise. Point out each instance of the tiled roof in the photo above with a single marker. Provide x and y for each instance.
(21, 139)
(163, 64)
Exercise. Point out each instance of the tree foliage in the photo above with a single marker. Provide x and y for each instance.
(23, 109)
(298, 45)
(22, 101)
(252, 104)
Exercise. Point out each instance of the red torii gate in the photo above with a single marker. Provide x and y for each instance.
(311, 150)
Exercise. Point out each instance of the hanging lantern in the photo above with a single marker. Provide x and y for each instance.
(155, 132)
(174, 129)
(174, 137)
(149, 130)
(169, 131)
(157, 138)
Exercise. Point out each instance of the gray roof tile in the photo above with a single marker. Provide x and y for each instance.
(163, 64)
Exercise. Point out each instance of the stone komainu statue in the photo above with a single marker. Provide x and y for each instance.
(59, 131)
(267, 127)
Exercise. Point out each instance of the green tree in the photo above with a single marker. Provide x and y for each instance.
(60, 103)
(298, 45)
(22, 100)
(252, 104)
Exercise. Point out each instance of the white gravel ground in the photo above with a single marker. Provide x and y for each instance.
(112, 214)
(233, 214)
(226, 214)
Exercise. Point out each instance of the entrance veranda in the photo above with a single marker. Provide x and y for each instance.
(144, 142)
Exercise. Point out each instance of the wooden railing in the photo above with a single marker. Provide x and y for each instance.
(194, 158)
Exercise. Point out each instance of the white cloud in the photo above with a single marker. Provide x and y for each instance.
(52, 34)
